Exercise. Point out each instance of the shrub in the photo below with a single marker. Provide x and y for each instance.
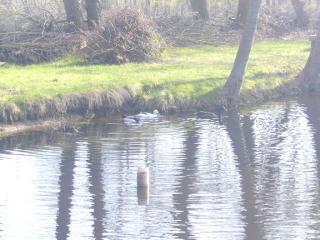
(126, 36)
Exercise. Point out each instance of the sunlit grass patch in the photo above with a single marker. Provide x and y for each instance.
(183, 73)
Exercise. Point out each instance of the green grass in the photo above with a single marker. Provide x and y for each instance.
(189, 72)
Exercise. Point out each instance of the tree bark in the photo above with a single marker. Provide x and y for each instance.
(74, 14)
(93, 13)
(302, 18)
(310, 76)
(242, 13)
(201, 7)
(230, 96)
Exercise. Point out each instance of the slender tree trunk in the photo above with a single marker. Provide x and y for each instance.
(74, 14)
(231, 91)
(302, 18)
(93, 13)
(242, 13)
(310, 76)
(201, 7)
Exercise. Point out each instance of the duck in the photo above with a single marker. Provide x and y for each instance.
(130, 120)
(68, 129)
(146, 115)
(140, 117)
(219, 111)
(206, 115)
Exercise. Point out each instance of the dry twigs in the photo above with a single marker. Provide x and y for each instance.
(127, 36)
(27, 48)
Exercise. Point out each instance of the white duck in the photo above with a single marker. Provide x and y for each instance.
(139, 118)
(146, 115)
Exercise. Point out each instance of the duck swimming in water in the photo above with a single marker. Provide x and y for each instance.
(139, 118)
(206, 115)
(146, 115)
(130, 120)
(211, 115)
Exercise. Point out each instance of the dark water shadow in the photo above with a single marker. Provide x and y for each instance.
(243, 140)
(66, 189)
(185, 186)
(30, 140)
(96, 188)
(312, 109)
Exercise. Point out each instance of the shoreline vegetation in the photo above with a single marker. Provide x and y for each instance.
(185, 78)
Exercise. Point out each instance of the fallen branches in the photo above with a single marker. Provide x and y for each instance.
(28, 48)
(127, 36)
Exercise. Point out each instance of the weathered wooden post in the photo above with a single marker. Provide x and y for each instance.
(143, 183)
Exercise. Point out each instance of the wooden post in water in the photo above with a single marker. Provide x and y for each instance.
(143, 183)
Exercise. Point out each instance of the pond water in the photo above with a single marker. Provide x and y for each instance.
(256, 176)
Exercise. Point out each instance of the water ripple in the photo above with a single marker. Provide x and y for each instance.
(256, 177)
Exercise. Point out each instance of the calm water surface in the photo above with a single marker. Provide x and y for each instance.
(254, 177)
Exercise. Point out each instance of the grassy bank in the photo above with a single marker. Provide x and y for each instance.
(191, 74)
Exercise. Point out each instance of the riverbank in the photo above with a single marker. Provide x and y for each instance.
(186, 77)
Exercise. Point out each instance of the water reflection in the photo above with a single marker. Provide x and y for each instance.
(217, 205)
(143, 195)
(312, 106)
(185, 187)
(29, 190)
(257, 177)
(285, 173)
(242, 141)
(66, 190)
(96, 188)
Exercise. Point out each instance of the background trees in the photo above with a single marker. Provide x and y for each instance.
(201, 7)
(20, 13)
(93, 13)
(42, 16)
(74, 14)
(301, 18)
(242, 12)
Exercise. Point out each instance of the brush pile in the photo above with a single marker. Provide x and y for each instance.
(30, 48)
(126, 36)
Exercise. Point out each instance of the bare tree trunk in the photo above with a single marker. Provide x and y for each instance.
(231, 91)
(93, 13)
(310, 76)
(201, 7)
(302, 18)
(242, 13)
(74, 14)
